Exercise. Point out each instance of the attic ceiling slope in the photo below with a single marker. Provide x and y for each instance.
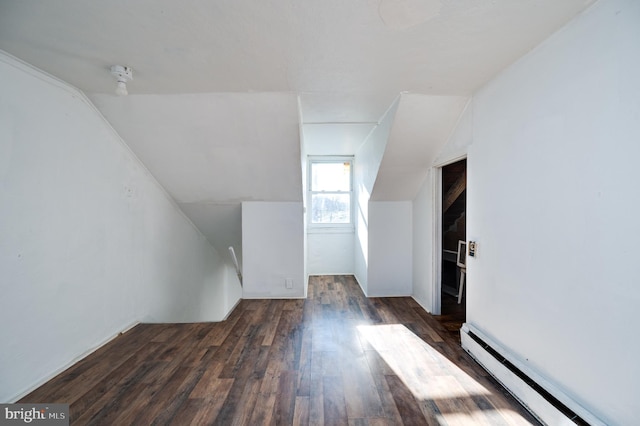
(421, 127)
(213, 151)
(218, 147)
(338, 123)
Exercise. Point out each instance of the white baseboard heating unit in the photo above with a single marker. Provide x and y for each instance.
(545, 401)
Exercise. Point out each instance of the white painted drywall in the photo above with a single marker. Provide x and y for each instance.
(390, 248)
(553, 196)
(211, 151)
(422, 240)
(304, 170)
(365, 169)
(459, 140)
(272, 249)
(423, 210)
(421, 127)
(316, 47)
(330, 252)
(89, 242)
(395, 163)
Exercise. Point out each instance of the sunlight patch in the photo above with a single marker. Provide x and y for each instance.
(418, 365)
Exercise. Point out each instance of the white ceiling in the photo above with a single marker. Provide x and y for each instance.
(223, 89)
(326, 46)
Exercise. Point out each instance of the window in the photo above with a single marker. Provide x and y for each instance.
(330, 191)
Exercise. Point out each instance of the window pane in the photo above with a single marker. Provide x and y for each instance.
(330, 208)
(331, 176)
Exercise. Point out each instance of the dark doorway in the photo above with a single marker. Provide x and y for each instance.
(454, 229)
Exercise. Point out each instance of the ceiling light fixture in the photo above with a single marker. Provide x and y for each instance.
(122, 75)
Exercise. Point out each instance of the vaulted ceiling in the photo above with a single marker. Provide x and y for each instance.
(224, 91)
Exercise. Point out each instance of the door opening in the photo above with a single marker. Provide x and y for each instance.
(453, 230)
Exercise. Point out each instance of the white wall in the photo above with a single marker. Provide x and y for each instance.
(89, 242)
(212, 150)
(393, 166)
(421, 127)
(366, 165)
(273, 249)
(423, 235)
(553, 198)
(424, 222)
(390, 248)
(330, 252)
(459, 140)
(304, 171)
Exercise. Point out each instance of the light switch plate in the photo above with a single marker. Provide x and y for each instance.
(473, 248)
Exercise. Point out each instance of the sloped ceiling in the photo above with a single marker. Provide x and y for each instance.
(214, 147)
(338, 123)
(223, 89)
(421, 127)
(212, 151)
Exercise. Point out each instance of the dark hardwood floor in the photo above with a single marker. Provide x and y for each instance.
(336, 358)
(453, 315)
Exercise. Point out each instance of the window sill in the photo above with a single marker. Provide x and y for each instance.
(331, 229)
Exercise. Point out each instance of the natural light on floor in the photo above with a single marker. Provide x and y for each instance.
(430, 376)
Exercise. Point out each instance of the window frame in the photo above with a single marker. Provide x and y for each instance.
(311, 160)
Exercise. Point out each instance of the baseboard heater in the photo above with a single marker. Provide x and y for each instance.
(547, 404)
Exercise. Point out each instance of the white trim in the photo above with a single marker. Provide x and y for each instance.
(334, 274)
(528, 396)
(436, 301)
(458, 157)
(339, 123)
(270, 297)
(228, 314)
(436, 280)
(331, 230)
(361, 288)
(71, 363)
(419, 302)
(330, 227)
(42, 75)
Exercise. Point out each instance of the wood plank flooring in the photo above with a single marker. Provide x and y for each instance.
(453, 315)
(336, 358)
